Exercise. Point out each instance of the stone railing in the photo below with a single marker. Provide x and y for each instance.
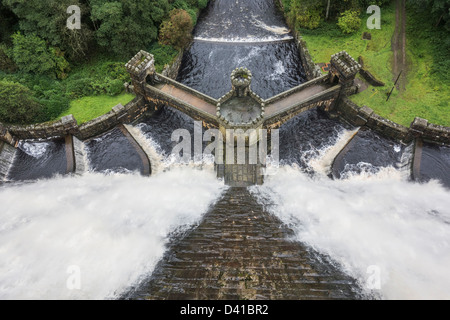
(68, 125)
(163, 79)
(324, 100)
(316, 81)
(157, 98)
(365, 116)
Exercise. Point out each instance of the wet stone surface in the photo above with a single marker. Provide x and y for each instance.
(241, 253)
(241, 110)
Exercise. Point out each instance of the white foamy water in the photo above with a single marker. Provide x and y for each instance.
(322, 163)
(112, 229)
(35, 149)
(244, 40)
(376, 219)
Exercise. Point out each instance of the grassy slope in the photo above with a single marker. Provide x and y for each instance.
(426, 95)
(89, 108)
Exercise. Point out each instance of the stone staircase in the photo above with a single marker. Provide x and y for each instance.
(241, 252)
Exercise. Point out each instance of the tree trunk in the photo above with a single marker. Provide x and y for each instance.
(328, 10)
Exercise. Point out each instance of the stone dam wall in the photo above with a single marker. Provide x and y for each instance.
(68, 125)
(365, 116)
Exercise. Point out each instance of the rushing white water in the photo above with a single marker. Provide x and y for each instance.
(371, 222)
(322, 163)
(243, 40)
(36, 150)
(110, 230)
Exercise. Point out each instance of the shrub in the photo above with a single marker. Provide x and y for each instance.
(309, 19)
(115, 87)
(79, 88)
(17, 103)
(6, 64)
(176, 31)
(349, 21)
(30, 53)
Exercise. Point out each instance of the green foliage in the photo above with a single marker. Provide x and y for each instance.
(42, 48)
(48, 20)
(114, 87)
(8, 22)
(176, 31)
(349, 22)
(30, 53)
(310, 19)
(17, 104)
(101, 77)
(437, 10)
(6, 63)
(305, 14)
(164, 55)
(125, 27)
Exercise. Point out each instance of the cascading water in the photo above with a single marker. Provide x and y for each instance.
(114, 228)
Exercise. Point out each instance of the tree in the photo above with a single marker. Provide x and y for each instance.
(30, 53)
(439, 8)
(328, 10)
(48, 20)
(305, 13)
(6, 64)
(7, 21)
(349, 21)
(177, 30)
(127, 26)
(17, 104)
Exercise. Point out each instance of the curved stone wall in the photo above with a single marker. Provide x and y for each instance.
(68, 125)
(365, 116)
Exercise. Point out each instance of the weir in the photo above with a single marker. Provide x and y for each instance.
(241, 109)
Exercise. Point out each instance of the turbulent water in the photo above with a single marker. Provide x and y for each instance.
(108, 228)
(112, 229)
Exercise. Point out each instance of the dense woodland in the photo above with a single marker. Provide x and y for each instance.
(44, 65)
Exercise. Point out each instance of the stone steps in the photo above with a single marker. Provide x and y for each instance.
(248, 259)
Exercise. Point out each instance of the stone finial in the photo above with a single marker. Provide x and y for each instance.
(241, 78)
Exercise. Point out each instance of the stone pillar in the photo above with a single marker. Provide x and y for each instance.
(345, 68)
(418, 127)
(142, 70)
(241, 78)
(6, 136)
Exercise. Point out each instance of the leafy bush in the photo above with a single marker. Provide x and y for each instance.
(17, 104)
(30, 53)
(309, 19)
(163, 54)
(6, 63)
(115, 87)
(79, 88)
(304, 15)
(349, 21)
(176, 31)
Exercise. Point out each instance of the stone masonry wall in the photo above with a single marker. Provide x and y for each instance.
(68, 125)
(365, 116)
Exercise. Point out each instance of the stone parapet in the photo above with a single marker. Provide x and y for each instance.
(419, 128)
(68, 125)
(60, 128)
